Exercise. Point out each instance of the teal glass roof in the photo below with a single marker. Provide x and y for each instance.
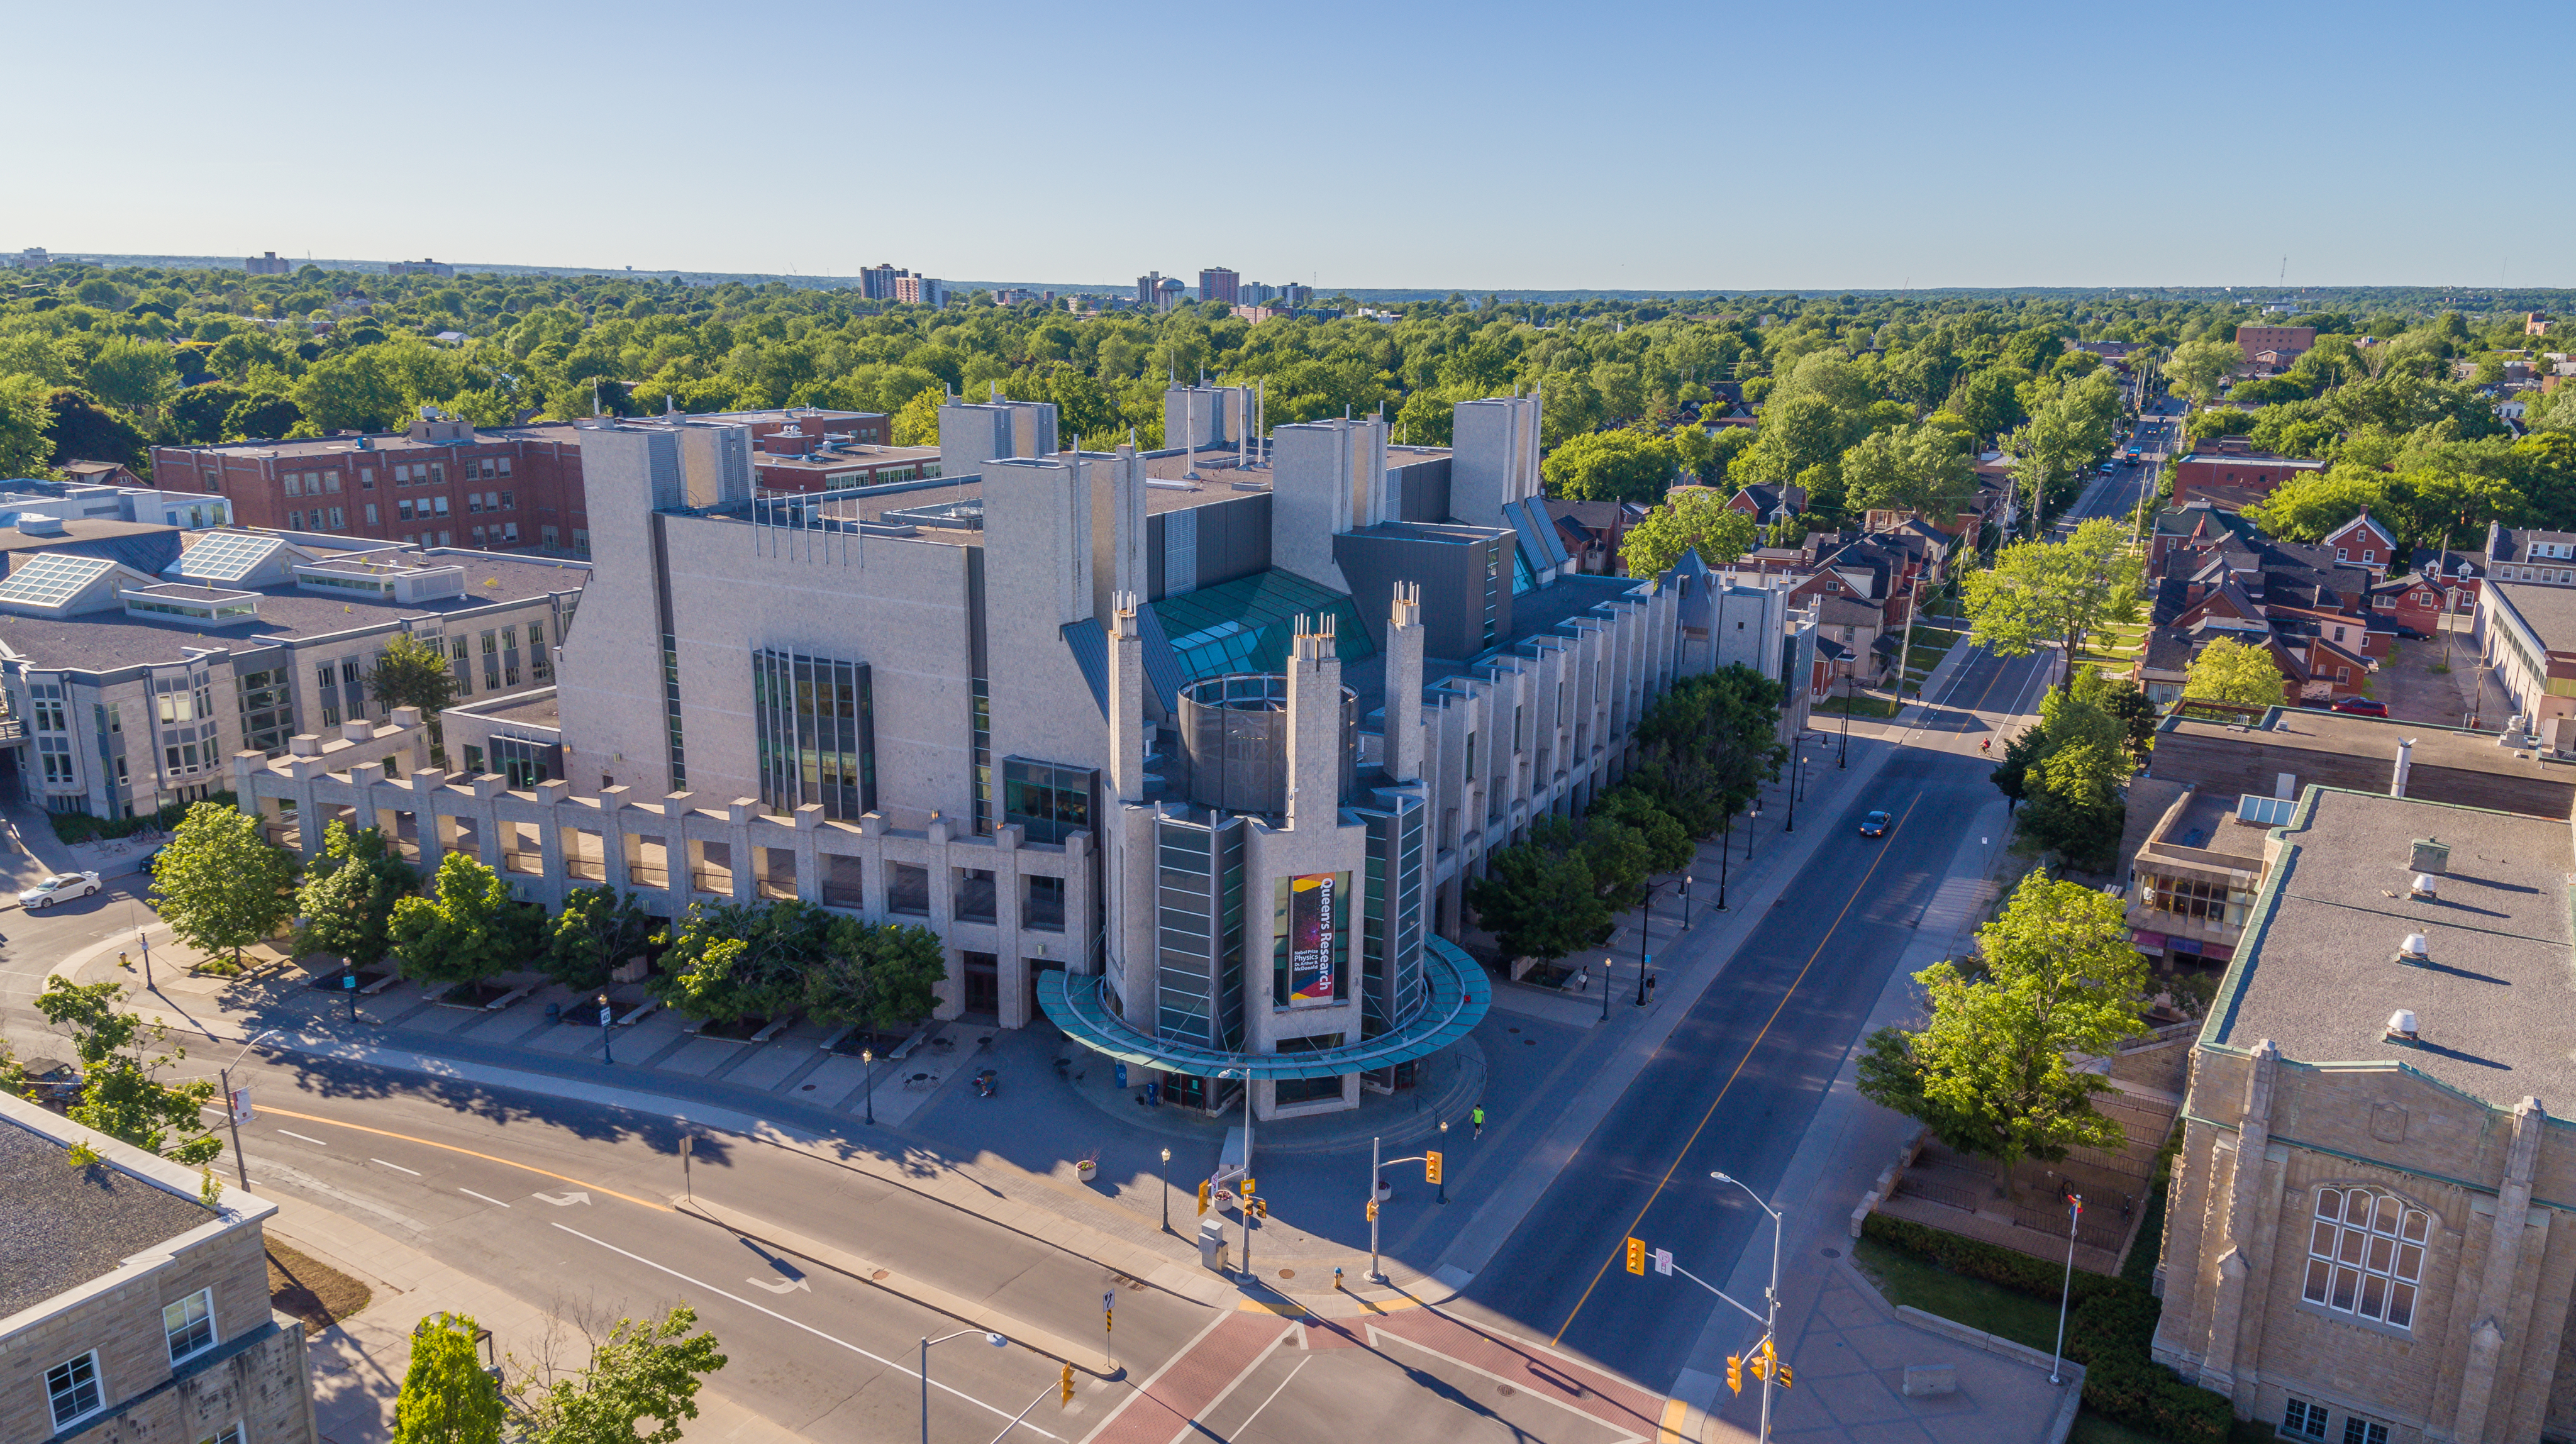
(1245, 625)
(1456, 996)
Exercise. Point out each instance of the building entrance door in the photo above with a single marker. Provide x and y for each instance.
(983, 986)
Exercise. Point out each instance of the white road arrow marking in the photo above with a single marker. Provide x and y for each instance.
(568, 1200)
(783, 1286)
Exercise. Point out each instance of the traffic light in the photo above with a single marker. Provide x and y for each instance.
(1785, 1380)
(1431, 1166)
(1066, 1384)
(1761, 1368)
(1636, 1256)
(1735, 1373)
(1204, 1187)
(1372, 1210)
(1259, 1207)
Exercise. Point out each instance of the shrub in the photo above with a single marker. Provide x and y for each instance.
(78, 827)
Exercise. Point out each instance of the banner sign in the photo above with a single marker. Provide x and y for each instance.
(1312, 945)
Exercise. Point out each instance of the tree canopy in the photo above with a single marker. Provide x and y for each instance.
(121, 1094)
(446, 1397)
(2244, 673)
(1990, 1072)
(348, 895)
(466, 928)
(1698, 521)
(644, 1369)
(222, 884)
(2040, 592)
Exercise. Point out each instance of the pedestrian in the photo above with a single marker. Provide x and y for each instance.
(1478, 1119)
(1583, 980)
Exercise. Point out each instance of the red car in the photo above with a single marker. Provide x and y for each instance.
(2362, 707)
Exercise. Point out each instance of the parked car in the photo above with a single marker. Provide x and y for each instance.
(1874, 825)
(2362, 707)
(149, 864)
(62, 887)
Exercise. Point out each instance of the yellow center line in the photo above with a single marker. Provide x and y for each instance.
(470, 1153)
(1619, 1249)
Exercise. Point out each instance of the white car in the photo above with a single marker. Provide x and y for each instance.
(61, 888)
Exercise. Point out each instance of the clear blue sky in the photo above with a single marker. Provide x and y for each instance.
(1503, 144)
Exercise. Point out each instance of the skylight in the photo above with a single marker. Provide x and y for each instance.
(50, 579)
(224, 557)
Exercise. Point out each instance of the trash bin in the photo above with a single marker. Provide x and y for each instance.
(1212, 1244)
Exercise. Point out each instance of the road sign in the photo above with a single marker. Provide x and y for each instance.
(1637, 1256)
(604, 1015)
(1664, 1262)
(241, 1106)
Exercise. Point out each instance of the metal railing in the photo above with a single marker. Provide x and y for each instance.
(1917, 1186)
(648, 875)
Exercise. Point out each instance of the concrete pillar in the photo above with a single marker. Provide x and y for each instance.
(550, 826)
(809, 856)
(2504, 1263)
(613, 802)
(1404, 684)
(1126, 701)
(1314, 727)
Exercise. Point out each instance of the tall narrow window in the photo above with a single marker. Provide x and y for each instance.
(815, 734)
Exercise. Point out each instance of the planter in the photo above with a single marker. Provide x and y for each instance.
(1086, 1168)
(1385, 1190)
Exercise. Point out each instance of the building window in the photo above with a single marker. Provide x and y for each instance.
(814, 727)
(295, 521)
(2366, 1255)
(189, 1324)
(2364, 1431)
(232, 1435)
(73, 1387)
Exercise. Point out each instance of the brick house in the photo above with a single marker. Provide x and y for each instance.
(2364, 543)
(131, 1312)
(2235, 479)
(2314, 613)
(1768, 503)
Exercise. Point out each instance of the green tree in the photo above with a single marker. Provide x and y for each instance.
(643, 1370)
(222, 884)
(196, 415)
(348, 895)
(25, 448)
(879, 976)
(2074, 807)
(130, 375)
(598, 929)
(1699, 521)
(2040, 592)
(1668, 844)
(1988, 1072)
(1626, 465)
(466, 929)
(265, 417)
(2199, 369)
(414, 673)
(917, 422)
(1796, 435)
(1538, 898)
(1913, 468)
(1706, 746)
(1987, 401)
(79, 429)
(446, 1397)
(728, 961)
(121, 1094)
(2228, 670)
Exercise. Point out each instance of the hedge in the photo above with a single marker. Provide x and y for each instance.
(2111, 1332)
(78, 827)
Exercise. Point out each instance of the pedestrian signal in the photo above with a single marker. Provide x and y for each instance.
(1066, 1384)
(1431, 1167)
(1204, 1186)
(1785, 1380)
(1372, 1207)
(1636, 1255)
(1735, 1373)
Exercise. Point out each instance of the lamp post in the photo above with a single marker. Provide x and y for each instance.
(1686, 908)
(2074, 1216)
(1845, 760)
(1752, 822)
(606, 1050)
(1725, 851)
(996, 1340)
(868, 1081)
(232, 1113)
(1645, 927)
(1770, 1301)
(1444, 1138)
(1167, 1190)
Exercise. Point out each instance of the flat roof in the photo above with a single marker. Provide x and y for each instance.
(109, 641)
(2342, 734)
(75, 529)
(846, 457)
(2317, 971)
(2550, 612)
(62, 1226)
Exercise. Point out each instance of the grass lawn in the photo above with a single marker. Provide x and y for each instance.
(1909, 1279)
(315, 1292)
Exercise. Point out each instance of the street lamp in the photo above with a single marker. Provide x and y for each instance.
(1167, 1190)
(996, 1340)
(868, 1081)
(1645, 927)
(1770, 1299)
(1686, 909)
(234, 1114)
(1845, 760)
(1444, 1133)
(1725, 851)
(1752, 821)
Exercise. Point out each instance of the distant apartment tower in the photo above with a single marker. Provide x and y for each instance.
(914, 290)
(421, 267)
(1293, 295)
(1149, 290)
(34, 258)
(270, 264)
(1219, 284)
(876, 283)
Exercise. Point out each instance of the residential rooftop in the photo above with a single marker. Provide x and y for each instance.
(2319, 971)
(61, 1226)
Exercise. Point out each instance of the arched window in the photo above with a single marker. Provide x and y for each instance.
(2366, 1255)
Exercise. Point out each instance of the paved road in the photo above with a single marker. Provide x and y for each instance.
(1735, 1086)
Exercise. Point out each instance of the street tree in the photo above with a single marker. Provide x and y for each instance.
(223, 886)
(642, 1370)
(2074, 807)
(2199, 369)
(1707, 746)
(878, 976)
(1989, 1072)
(466, 929)
(1668, 843)
(2243, 673)
(2041, 592)
(348, 895)
(446, 1397)
(598, 929)
(1698, 521)
(121, 1093)
(414, 673)
(729, 961)
(1538, 898)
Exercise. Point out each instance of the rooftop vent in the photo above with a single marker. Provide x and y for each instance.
(2401, 1027)
(33, 525)
(2431, 856)
(2422, 889)
(2416, 949)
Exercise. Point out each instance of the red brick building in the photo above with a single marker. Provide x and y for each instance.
(2290, 340)
(442, 483)
(2234, 479)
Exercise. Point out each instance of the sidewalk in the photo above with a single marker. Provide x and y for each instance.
(358, 1364)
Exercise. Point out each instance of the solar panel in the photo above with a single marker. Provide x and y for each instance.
(50, 579)
(224, 557)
